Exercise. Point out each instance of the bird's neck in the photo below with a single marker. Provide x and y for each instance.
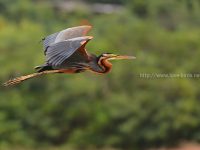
(105, 65)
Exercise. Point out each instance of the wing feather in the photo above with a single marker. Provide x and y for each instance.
(66, 34)
(58, 52)
(49, 40)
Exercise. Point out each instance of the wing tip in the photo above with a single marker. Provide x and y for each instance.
(89, 37)
(87, 26)
(83, 26)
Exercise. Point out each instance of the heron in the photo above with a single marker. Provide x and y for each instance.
(65, 52)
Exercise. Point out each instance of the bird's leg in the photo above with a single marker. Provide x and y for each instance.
(23, 78)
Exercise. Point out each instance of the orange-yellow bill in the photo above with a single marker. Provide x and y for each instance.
(122, 57)
(125, 57)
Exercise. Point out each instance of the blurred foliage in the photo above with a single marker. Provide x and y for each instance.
(118, 110)
(107, 1)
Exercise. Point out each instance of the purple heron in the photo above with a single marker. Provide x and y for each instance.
(65, 52)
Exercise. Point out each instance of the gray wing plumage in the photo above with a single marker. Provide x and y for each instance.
(58, 52)
(49, 40)
(65, 35)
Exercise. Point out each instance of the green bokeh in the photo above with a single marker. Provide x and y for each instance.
(120, 110)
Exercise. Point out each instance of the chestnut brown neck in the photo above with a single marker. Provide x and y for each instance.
(105, 65)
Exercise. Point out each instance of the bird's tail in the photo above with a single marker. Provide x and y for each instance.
(23, 78)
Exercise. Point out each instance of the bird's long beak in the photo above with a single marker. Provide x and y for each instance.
(124, 57)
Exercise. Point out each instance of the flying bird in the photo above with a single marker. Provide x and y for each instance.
(65, 52)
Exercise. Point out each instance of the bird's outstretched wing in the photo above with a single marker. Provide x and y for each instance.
(58, 52)
(65, 35)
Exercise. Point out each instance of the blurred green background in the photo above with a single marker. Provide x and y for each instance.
(120, 110)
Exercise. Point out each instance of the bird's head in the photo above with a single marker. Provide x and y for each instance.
(103, 60)
(110, 56)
